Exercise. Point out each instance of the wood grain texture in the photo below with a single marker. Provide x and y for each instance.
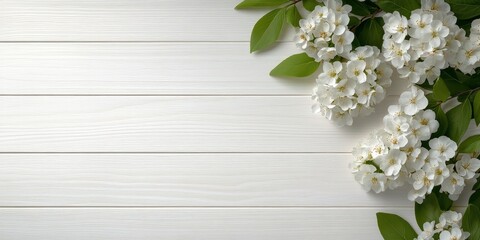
(193, 223)
(143, 68)
(147, 68)
(125, 20)
(173, 124)
(184, 180)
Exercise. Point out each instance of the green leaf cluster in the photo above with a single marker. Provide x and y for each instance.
(455, 122)
(393, 227)
(471, 217)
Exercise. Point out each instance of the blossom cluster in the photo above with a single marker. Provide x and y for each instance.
(352, 82)
(324, 33)
(429, 41)
(448, 227)
(394, 156)
(468, 55)
(351, 87)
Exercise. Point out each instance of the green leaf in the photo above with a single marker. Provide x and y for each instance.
(260, 4)
(293, 16)
(404, 7)
(461, 76)
(465, 9)
(476, 108)
(442, 120)
(470, 145)
(310, 4)
(370, 32)
(475, 199)
(465, 25)
(443, 200)
(458, 120)
(449, 74)
(471, 222)
(453, 84)
(428, 211)
(426, 85)
(477, 185)
(393, 227)
(358, 8)
(298, 65)
(432, 103)
(353, 22)
(267, 30)
(440, 90)
(454, 87)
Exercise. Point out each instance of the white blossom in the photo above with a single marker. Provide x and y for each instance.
(356, 70)
(453, 234)
(397, 26)
(453, 184)
(467, 166)
(392, 163)
(413, 101)
(443, 147)
(448, 227)
(330, 73)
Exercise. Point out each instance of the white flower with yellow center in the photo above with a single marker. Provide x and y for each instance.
(467, 166)
(355, 70)
(396, 25)
(453, 184)
(442, 147)
(330, 73)
(375, 182)
(413, 101)
(392, 163)
(453, 234)
(420, 24)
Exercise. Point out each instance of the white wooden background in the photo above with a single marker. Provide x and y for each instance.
(149, 119)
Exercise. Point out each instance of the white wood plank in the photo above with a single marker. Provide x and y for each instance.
(125, 20)
(173, 124)
(194, 224)
(147, 68)
(184, 180)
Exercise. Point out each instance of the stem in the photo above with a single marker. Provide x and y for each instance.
(293, 3)
(363, 19)
(470, 91)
